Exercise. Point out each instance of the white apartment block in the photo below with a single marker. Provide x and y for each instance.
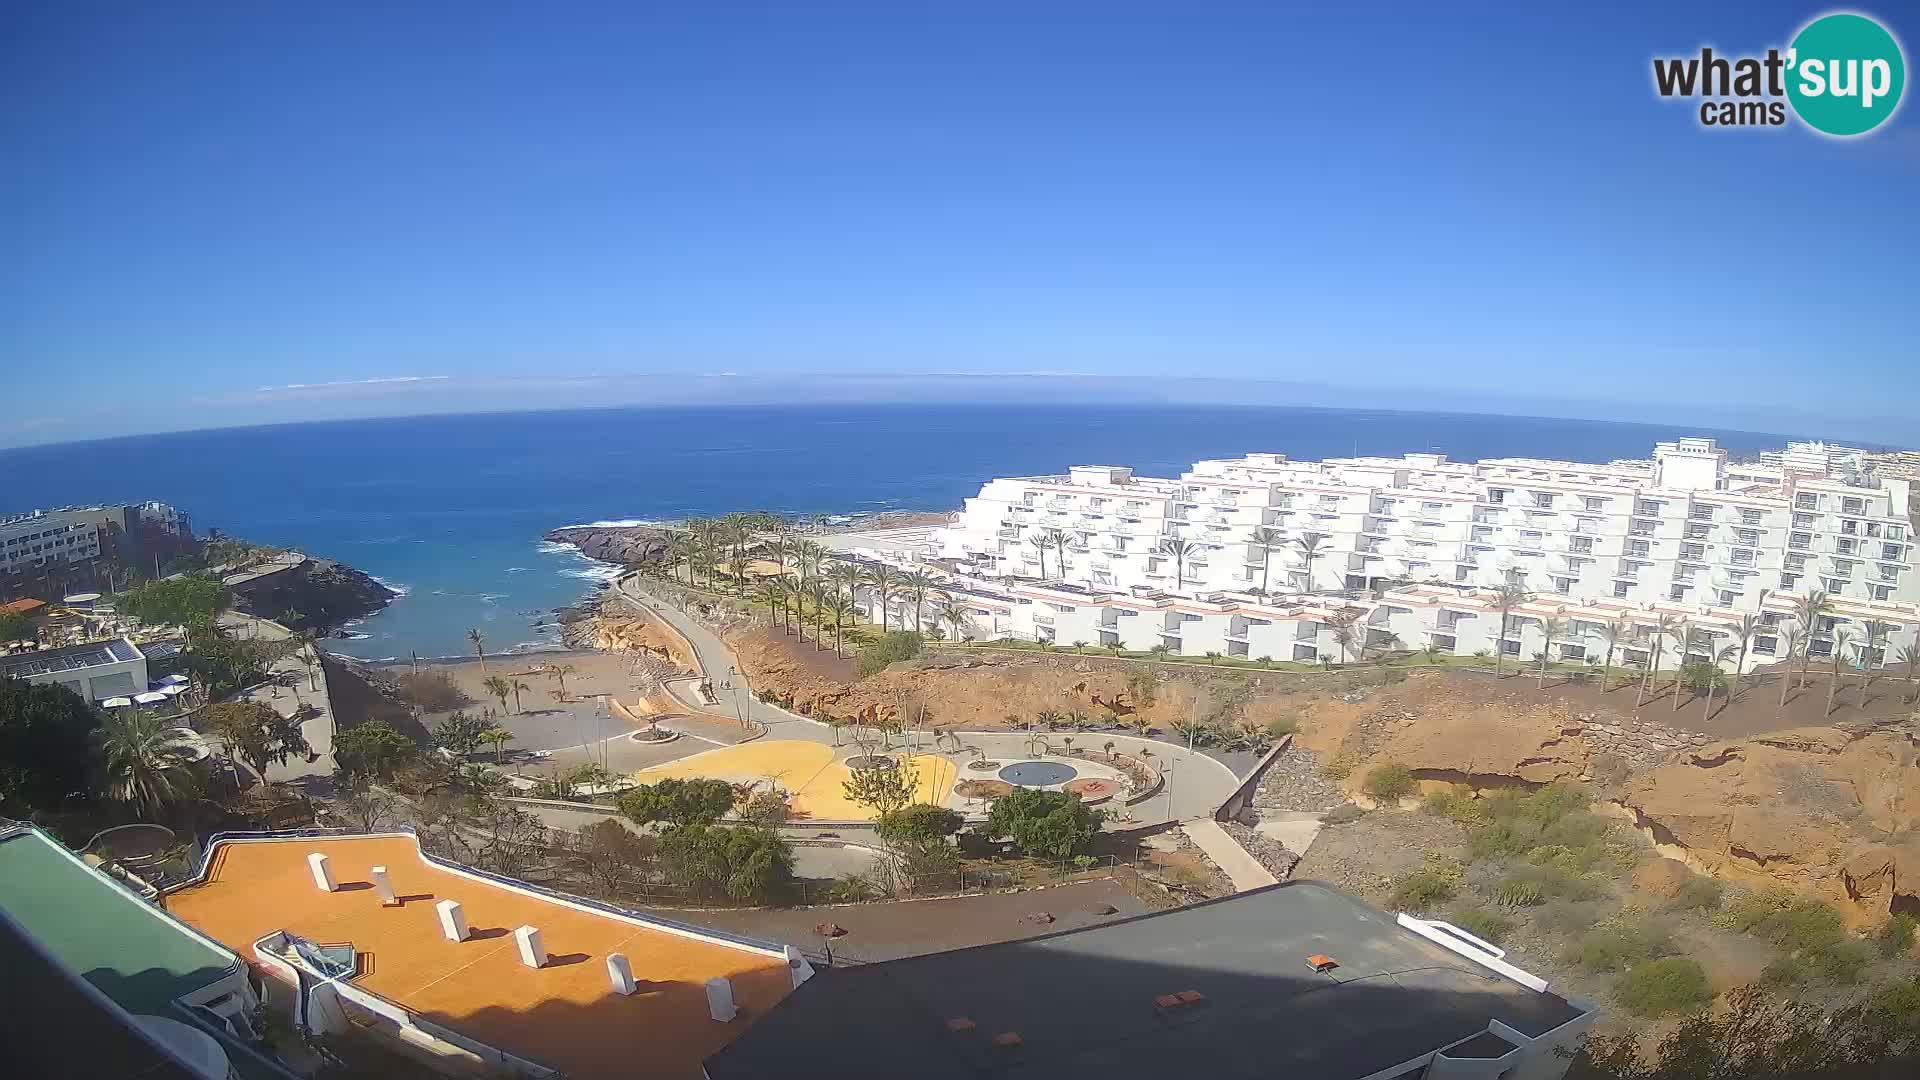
(1416, 543)
(31, 541)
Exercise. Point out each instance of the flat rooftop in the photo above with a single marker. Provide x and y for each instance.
(70, 658)
(128, 949)
(563, 1015)
(1083, 1003)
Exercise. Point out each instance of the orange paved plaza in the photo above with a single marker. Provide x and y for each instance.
(563, 1015)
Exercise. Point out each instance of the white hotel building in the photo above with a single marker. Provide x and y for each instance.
(1415, 544)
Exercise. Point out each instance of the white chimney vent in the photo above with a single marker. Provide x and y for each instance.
(720, 999)
(533, 952)
(383, 886)
(453, 920)
(322, 872)
(798, 967)
(620, 974)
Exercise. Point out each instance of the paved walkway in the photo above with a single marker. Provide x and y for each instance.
(289, 686)
(1241, 868)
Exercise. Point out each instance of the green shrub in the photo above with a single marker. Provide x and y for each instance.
(1389, 783)
(1046, 823)
(893, 647)
(1529, 884)
(1895, 936)
(1700, 893)
(1343, 814)
(1283, 725)
(1422, 890)
(1514, 891)
(1620, 944)
(1457, 807)
(1503, 840)
(1667, 985)
(1339, 767)
(1482, 923)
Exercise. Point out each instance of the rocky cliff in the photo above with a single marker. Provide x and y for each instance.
(626, 545)
(322, 593)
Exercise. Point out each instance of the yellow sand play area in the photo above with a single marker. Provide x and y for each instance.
(812, 771)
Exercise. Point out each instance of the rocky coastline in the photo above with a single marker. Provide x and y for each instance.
(630, 545)
(322, 594)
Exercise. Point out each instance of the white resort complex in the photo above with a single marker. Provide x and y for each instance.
(1263, 557)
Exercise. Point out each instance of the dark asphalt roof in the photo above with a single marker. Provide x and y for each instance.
(1083, 1002)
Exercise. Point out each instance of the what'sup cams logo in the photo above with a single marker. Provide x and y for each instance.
(1843, 75)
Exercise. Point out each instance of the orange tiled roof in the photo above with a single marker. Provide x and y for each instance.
(22, 605)
(563, 1015)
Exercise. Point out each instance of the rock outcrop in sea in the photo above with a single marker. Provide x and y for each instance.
(628, 545)
(324, 594)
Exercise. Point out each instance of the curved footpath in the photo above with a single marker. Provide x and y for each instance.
(1196, 782)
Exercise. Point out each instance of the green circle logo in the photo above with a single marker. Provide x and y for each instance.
(1845, 74)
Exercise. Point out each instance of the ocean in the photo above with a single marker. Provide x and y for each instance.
(450, 509)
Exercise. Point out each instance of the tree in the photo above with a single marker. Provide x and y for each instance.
(372, 749)
(1613, 631)
(559, 673)
(1505, 599)
(46, 740)
(1842, 638)
(840, 606)
(1662, 630)
(1909, 656)
(180, 601)
(880, 576)
(610, 854)
(894, 647)
(1872, 654)
(1683, 632)
(1053, 824)
(883, 788)
(1039, 542)
(257, 733)
(1743, 633)
(747, 862)
(460, 734)
(368, 808)
(517, 687)
(1343, 625)
(15, 627)
(480, 649)
(918, 837)
(1550, 628)
(1759, 1032)
(677, 803)
(916, 585)
(499, 737)
(1178, 550)
(774, 594)
(1311, 546)
(499, 688)
(1793, 641)
(1808, 612)
(1266, 540)
(144, 761)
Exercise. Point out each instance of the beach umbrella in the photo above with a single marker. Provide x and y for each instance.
(174, 680)
(169, 689)
(150, 698)
(116, 703)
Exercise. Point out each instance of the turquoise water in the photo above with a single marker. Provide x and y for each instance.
(451, 508)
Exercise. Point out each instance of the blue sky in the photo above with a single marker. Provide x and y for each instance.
(210, 211)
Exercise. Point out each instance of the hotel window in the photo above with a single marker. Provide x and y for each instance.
(1849, 527)
(1766, 646)
(1883, 592)
(1803, 521)
(1835, 584)
(1844, 546)
(1497, 496)
(1890, 551)
(1843, 567)
(1749, 537)
(1563, 585)
(1702, 512)
(1640, 548)
(1895, 532)
(1698, 531)
(1742, 557)
(1583, 543)
(1693, 551)
(1647, 507)
(1543, 500)
(1850, 505)
(1788, 582)
(1620, 589)
(1642, 527)
(1726, 598)
(1800, 541)
(1889, 572)
(1596, 503)
(1873, 529)
(1460, 572)
(1678, 592)
(1796, 563)
(1749, 516)
(1806, 502)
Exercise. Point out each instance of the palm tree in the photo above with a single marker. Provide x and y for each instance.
(479, 646)
(1039, 542)
(499, 688)
(845, 577)
(1611, 632)
(1342, 625)
(1311, 546)
(916, 585)
(559, 673)
(954, 610)
(1872, 654)
(821, 595)
(517, 686)
(840, 607)
(1909, 655)
(1744, 633)
(1060, 538)
(1551, 628)
(681, 550)
(1713, 677)
(144, 760)
(499, 737)
(1505, 599)
(1266, 540)
(880, 576)
(1683, 632)
(1662, 630)
(1807, 613)
(773, 593)
(1795, 640)
(1178, 550)
(1841, 639)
